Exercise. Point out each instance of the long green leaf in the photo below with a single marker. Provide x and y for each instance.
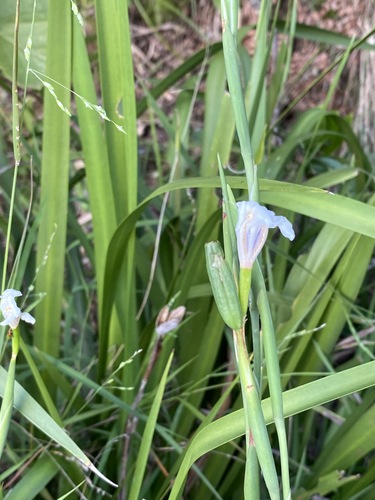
(34, 480)
(313, 202)
(117, 81)
(329, 37)
(35, 414)
(148, 433)
(353, 441)
(294, 401)
(54, 181)
(95, 156)
(218, 133)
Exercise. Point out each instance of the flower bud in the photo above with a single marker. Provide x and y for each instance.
(223, 286)
(168, 320)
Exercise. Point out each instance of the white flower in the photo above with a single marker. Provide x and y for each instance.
(11, 312)
(252, 227)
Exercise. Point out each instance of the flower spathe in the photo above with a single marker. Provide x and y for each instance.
(168, 320)
(11, 312)
(252, 227)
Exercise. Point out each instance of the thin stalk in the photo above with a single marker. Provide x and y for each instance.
(233, 18)
(256, 429)
(15, 109)
(252, 472)
(256, 336)
(132, 422)
(160, 226)
(46, 397)
(229, 223)
(244, 288)
(235, 89)
(273, 373)
(7, 404)
(16, 137)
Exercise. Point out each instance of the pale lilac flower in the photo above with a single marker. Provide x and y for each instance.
(11, 312)
(252, 227)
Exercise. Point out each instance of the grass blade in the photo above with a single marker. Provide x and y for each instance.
(148, 433)
(294, 401)
(54, 182)
(35, 414)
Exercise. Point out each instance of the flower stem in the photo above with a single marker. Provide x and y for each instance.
(252, 473)
(7, 404)
(16, 137)
(229, 13)
(255, 423)
(273, 373)
(244, 285)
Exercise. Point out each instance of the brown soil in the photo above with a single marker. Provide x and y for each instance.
(159, 50)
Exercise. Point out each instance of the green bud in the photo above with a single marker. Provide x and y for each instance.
(223, 285)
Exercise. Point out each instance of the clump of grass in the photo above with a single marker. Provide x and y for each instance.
(112, 259)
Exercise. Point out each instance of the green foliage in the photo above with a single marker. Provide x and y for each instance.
(34, 30)
(54, 182)
(99, 252)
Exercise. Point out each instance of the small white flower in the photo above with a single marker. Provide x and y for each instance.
(11, 312)
(252, 227)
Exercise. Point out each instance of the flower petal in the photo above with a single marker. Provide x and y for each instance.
(11, 320)
(168, 326)
(11, 312)
(9, 307)
(285, 227)
(10, 292)
(252, 227)
(28, 318)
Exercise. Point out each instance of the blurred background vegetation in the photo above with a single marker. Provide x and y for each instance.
(117, 191)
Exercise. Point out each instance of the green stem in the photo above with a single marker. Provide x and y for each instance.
(273, 374)
(244, 285)
(15, 109)
(231, 57)
(7, 404)
(16, 136)
(256, 336)
(255, 423)
(252, 475)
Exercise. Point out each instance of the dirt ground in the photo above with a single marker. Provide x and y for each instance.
(159, 50)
